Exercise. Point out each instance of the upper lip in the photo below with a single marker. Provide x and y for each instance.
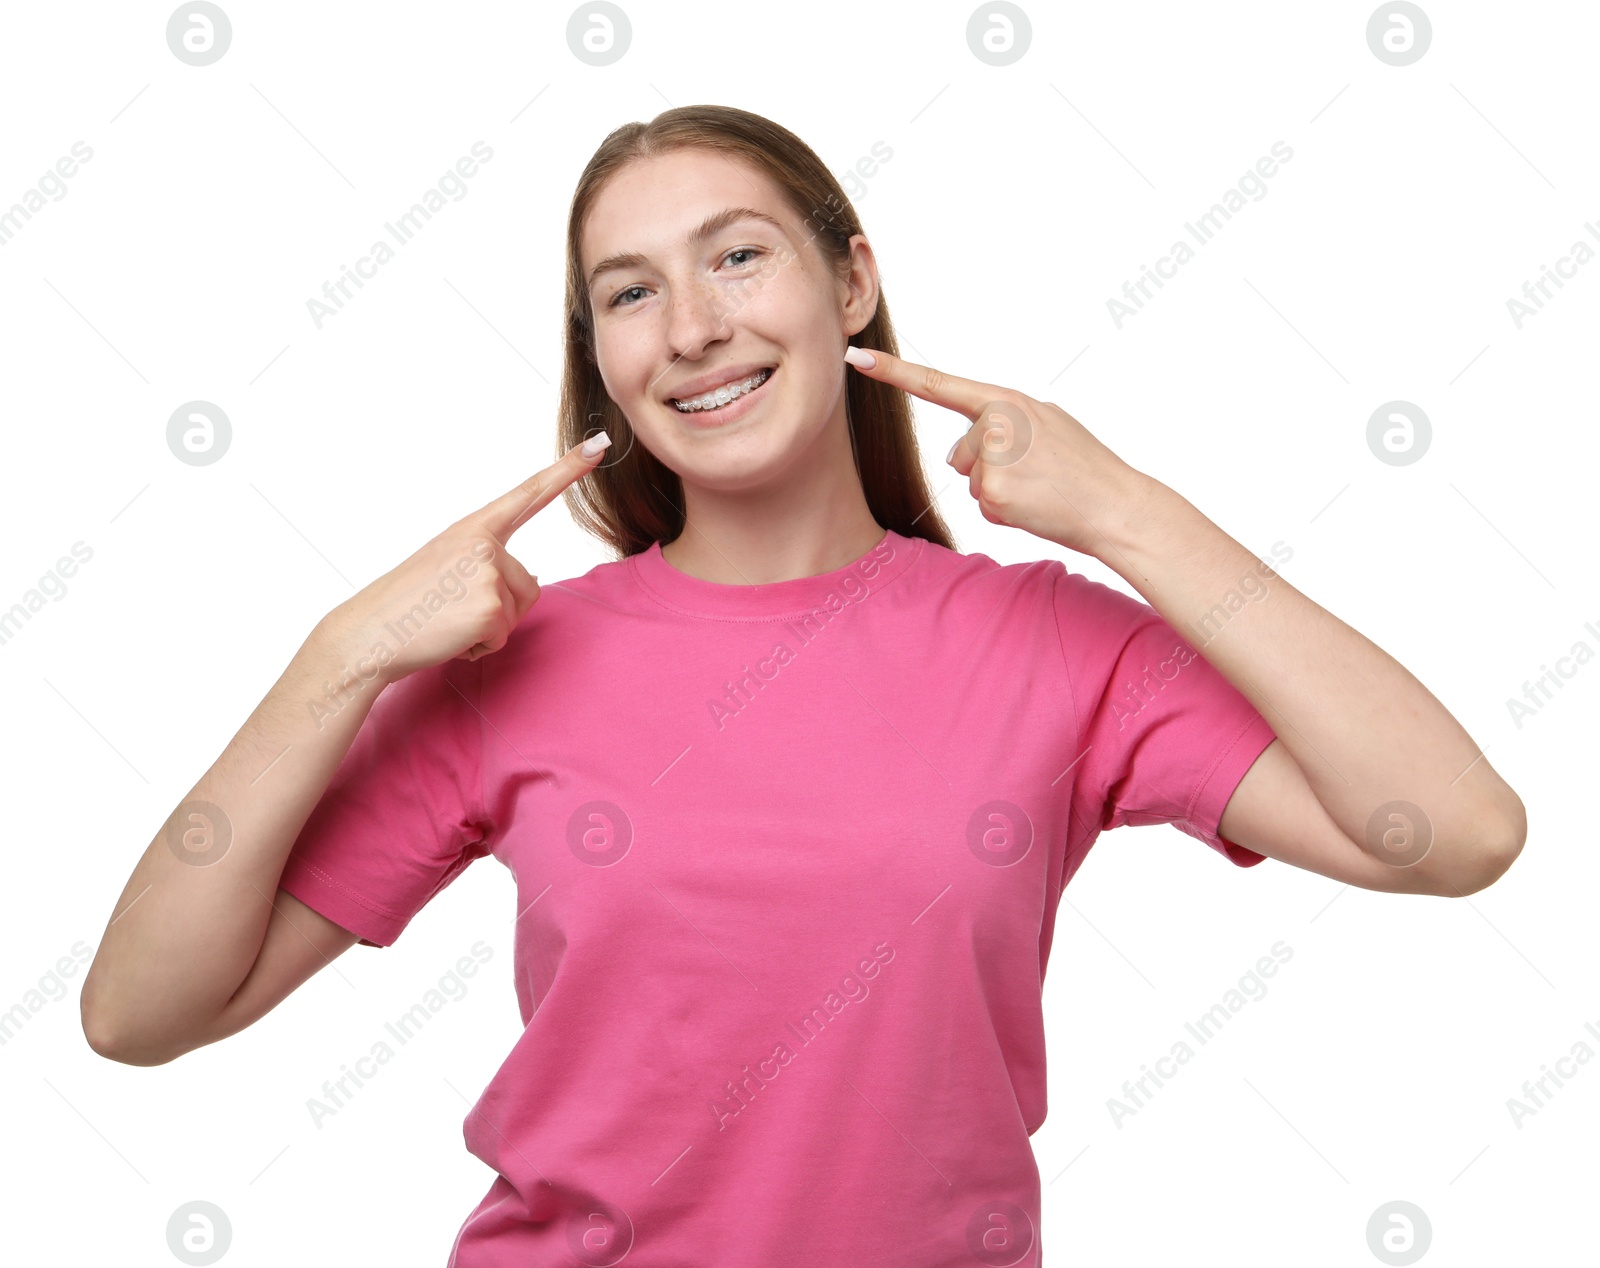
(691, 388)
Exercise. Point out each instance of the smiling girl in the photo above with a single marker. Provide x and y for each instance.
(790, 788)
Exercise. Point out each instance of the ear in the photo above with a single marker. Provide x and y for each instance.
(861, 301)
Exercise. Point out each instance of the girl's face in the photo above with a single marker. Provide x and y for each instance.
(690, 286)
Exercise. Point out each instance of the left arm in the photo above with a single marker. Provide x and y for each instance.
(1370, 780)
(1358, 733)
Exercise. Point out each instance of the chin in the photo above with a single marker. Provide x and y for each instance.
(731, 467)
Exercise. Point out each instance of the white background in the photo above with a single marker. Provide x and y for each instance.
(1017, 201)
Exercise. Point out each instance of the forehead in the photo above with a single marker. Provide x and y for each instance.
(651, 205)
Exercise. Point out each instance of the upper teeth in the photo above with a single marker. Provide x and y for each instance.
(724, 394)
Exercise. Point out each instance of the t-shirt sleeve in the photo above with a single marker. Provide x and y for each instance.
(1163, 737)
(403, 814)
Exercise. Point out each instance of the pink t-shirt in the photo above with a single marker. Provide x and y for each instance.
(788, 859)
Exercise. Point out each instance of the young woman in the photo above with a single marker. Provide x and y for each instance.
(791, 788)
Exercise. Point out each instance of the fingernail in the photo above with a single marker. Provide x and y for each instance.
(595, 444)
(860, 357)
(953, 449)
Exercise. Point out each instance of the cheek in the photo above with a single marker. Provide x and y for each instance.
(620, 366)
(789, 313)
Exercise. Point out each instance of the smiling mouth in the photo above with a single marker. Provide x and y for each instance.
(724, 395)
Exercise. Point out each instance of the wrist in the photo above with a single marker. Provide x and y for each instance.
(335, 655)
(1143, 509)
(1165, 540)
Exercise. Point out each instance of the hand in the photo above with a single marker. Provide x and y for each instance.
(1030, 464)
(462, 594)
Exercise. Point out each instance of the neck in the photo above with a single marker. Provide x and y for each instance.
(815, 522)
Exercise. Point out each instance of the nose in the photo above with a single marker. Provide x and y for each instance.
(697, 315)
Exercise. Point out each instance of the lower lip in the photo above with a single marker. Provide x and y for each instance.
(728, 413)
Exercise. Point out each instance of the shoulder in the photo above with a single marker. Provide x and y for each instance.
(990, 597)
(1086, 611)
(979, 574)
(607, 586)
(573, 617)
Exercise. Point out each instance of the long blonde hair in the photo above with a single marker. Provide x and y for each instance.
(635, 500)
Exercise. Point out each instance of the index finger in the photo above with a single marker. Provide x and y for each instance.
(967, 397)
(514, 508)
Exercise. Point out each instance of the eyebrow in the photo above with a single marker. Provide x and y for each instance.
(710, 226)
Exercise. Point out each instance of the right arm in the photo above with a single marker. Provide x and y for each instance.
(194, 952)
(171, 972)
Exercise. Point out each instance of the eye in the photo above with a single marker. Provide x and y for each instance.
(616, 300)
